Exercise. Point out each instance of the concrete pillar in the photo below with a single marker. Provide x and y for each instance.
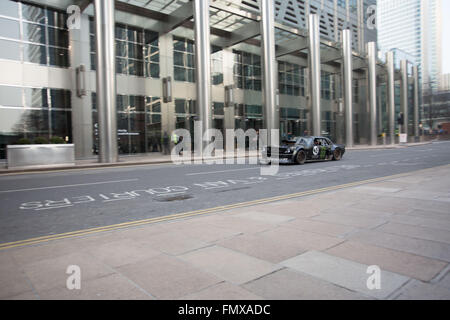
(228, 80)
(372, 91)
(106, 80)
(166, 70)
(314, 73)
(404, 94)
(416, 101)
(203, 67)
(269, 68)
(391, 94)
(82, 129)
(348, 85)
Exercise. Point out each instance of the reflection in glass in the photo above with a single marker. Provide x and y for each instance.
(34, 53)
(179, 74)
(60, 98)
(58, 37)
(56, 19)
(58, 57)
(33, 13)
(34, 33)
(36, 98)
(61, 123)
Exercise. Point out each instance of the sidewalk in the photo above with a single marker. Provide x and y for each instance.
(160, 159)
(312, 247)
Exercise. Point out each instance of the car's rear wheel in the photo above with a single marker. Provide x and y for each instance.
(337, 155)
(300, 158)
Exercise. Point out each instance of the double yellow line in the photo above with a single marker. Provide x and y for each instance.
(178, 216)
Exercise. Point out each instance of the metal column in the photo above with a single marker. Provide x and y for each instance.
(348, 85)
(372, 90)
(314, 73)
(203, 66)
(416, 101)
(404, 94)
(270, 73)
(106, 80)
(391, 94)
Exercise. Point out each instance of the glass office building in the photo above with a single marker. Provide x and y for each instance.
(414, 27)
(49, 80)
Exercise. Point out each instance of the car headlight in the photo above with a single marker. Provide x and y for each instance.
(290, 149)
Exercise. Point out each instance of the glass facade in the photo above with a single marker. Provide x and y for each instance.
(138, 124)
(37, 34)
(30, 113)
(247, 70)
(183, 60)
(34, 34)
(137, 50)
(291, 79)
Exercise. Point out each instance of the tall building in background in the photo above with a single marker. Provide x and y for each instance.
(414, 27)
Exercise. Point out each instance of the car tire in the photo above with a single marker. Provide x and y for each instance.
(300, 157)
(337, 155)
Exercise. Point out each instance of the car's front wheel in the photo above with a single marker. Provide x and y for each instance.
(300, 158)
(337, 155)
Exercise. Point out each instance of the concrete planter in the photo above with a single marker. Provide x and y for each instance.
(34, 155)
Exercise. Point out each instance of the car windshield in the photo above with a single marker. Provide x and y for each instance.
(304, 140)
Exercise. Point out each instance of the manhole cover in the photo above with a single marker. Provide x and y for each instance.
(235, 189)
(174, 198)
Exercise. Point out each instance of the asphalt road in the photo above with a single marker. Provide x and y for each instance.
(42, 204)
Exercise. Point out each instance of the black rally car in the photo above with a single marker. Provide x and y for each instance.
(301, 149)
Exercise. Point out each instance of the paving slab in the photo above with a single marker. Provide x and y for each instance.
(173, 243)
(351, 211)
(344, 273)
(351, 220)
(304, 239)
(425, 248)
(122, 252)
(375, 190)
(445, 281)
(288, 284)
(239, 224)
(264, 216)
(420, 221)
(264, 248)
(29, 295)
(420, 194)
(229, 265)
(13, 280)
(383, 205)
(110, 287)
(416, 232)
(331, 229)
(407, 264)
(430, 213)
(412, 203)
(223, 291)
(204, 232)
(166, 277)
(51, 273)
(418, 290)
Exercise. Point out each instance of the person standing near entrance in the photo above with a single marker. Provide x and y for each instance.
(166, 143)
